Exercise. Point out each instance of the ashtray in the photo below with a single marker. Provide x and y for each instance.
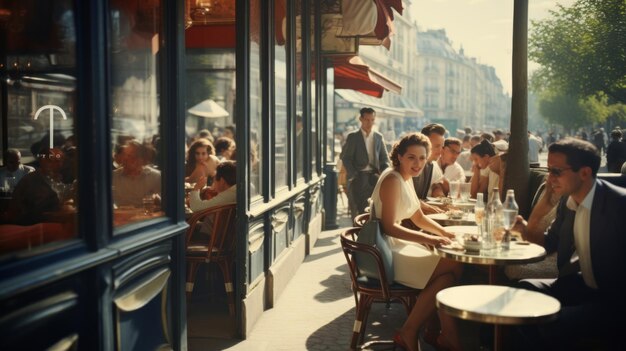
(471, 242)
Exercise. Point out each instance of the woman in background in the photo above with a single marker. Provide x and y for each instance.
(201, 161)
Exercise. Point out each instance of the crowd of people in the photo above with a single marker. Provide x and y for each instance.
(574, 215)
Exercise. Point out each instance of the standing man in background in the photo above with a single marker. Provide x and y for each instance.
(364, 156)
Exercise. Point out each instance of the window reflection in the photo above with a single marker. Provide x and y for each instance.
(280, 94)
(135, 112)
(38, 94)
(256, 101)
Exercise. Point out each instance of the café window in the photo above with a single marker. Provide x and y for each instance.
(38, 178)
(135, 49)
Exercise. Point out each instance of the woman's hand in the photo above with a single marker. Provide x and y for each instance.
(448, 234)
(200, 183)
(436, 240)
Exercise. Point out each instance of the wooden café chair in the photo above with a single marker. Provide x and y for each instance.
(219, 247)
(367, 290)
(361, 219)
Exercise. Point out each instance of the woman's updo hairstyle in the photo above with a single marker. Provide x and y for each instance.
(484, 148)
(400, 147)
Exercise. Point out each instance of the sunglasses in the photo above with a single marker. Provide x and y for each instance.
(557, 171)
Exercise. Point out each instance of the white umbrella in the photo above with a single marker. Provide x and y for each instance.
(209, 109)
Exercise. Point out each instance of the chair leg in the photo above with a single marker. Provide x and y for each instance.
(362, 309)
(228, 285)
(192, 269)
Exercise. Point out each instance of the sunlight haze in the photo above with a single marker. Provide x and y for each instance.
(484, 28)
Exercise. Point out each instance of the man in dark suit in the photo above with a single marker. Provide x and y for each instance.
(364, 155)
(589, 236)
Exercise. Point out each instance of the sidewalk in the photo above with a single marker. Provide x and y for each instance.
(316, 311)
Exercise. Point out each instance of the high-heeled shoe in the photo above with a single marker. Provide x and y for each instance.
(398, 341)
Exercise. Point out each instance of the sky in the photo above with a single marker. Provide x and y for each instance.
(483, 27)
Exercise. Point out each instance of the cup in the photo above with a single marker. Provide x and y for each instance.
(465, 191)
(148, 204)
(454, 190)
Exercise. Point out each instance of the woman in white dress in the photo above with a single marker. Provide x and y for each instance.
(415, 264)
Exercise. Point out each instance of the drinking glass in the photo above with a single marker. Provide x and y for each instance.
(465, 191)
(148, 204)
(454, 190)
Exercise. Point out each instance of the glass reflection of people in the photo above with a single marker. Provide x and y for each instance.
(201, 161)
(14, 170)
(222, 192)
(224, 147)
(40, 191)
(134, 179)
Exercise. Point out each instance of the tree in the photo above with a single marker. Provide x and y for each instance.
(574, 112)
(582, 49)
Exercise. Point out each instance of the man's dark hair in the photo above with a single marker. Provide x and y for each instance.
(223, 143)
(227, 170)
(616, 134)
(484, 148)
(434, 128)
(452, 141)
(365, 110)
(579, 153)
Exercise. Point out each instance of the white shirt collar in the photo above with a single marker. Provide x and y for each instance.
(587, 201)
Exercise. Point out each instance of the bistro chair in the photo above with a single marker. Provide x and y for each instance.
(218, 246)
(361, 219)
(367, 290)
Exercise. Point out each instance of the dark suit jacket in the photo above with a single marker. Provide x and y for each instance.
(354, 153)
(607, 237)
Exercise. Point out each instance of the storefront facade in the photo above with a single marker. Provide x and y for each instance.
(90, 89)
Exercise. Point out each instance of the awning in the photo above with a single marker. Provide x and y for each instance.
(410, 109)
(353, 73)
(371, 22)
(361, 100)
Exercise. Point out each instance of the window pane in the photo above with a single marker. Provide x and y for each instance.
(38, 200)
(256, 101)
(280, 96)
(297, 122)
(134, 109)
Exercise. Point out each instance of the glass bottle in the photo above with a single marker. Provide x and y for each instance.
(494, 218)
(479, 213)
(510, 211)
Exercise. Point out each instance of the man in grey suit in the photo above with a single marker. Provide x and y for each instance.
(589, 236)
(364, 155)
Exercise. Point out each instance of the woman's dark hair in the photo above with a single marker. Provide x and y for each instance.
(484, 148)
(400, 147)
(579, 153)
(191, 153)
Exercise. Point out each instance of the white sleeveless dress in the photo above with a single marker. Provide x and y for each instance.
(413, 263)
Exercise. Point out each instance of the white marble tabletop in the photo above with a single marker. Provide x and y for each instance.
(498, 304)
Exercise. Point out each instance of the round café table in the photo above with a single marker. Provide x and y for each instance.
(498, 305)
(520, 252)
(443, 219)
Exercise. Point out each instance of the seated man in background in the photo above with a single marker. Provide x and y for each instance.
(14, 170)
(35, 194)
(135, 179)
(452, 171)
(588, 235)
(223, 191)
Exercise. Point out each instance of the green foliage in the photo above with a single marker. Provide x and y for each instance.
(582, 50)
(574, 112)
